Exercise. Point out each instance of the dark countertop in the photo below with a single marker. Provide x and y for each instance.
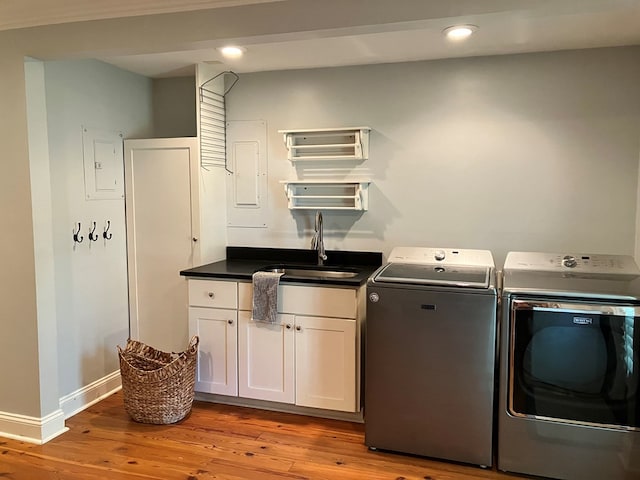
(242, 262)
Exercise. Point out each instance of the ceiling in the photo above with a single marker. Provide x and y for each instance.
(33, 13)
(504, 27)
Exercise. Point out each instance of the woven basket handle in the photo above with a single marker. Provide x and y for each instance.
(193, 344)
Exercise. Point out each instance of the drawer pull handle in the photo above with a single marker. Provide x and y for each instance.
(211, 295)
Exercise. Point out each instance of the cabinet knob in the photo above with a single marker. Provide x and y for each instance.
(298, 328)
(211, 294)
(230, 322)
(195, 239)
(288, 326)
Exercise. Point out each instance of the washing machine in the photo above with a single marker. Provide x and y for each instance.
(569, 366)
(430, 344)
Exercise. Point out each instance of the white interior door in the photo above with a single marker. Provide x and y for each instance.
(161, 200)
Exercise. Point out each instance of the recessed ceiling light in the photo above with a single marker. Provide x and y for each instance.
(232, 51)
(459, 32)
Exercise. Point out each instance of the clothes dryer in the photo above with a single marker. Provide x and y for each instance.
(570, 366)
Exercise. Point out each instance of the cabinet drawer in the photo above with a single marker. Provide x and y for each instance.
(302, 300)
(213, 293)
(318, 301)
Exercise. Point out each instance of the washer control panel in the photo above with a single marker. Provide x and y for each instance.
(446, 256)
(584, 263)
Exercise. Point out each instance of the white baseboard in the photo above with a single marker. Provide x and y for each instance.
(32, 429)
(83, 398)
(41, 430)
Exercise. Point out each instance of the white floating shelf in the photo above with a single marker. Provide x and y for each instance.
(327, 194)
(343, 143)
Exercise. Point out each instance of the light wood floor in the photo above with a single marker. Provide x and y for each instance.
(217, 442)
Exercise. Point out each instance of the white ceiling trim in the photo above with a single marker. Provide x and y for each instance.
(32, 13)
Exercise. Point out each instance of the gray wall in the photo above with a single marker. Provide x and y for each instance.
(91, 277)
(19, 353)
(521, 152)
(42, 236)
(174, 107)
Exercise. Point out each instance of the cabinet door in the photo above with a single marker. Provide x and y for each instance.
(265, 359)
(326, 363)
(218, 351)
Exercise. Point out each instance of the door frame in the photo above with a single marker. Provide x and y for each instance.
(130, 146)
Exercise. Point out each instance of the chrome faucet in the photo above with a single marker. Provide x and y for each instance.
(317, 242)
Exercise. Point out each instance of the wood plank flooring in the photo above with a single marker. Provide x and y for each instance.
(217, 442)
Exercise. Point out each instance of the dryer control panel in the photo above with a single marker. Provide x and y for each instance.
(571, 262)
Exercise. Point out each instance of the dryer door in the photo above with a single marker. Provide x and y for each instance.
(576, 362)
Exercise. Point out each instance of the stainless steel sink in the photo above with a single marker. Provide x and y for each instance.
(310, 272)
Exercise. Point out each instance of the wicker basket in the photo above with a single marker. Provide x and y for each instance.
(158, 387)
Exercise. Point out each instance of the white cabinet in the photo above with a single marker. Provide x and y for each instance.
(326, 340)
(213, 316)
(310, 359)
(326, 363)
(217, 368)
(266, 359)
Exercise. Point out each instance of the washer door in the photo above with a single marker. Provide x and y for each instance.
(576, 362)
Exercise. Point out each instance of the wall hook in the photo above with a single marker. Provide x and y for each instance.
(93, 237)
(76, 238)
(106, 230)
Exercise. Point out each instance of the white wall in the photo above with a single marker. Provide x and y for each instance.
(90, 279)
(521, 152)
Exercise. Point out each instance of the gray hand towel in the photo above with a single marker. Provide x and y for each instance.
(265, 297)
